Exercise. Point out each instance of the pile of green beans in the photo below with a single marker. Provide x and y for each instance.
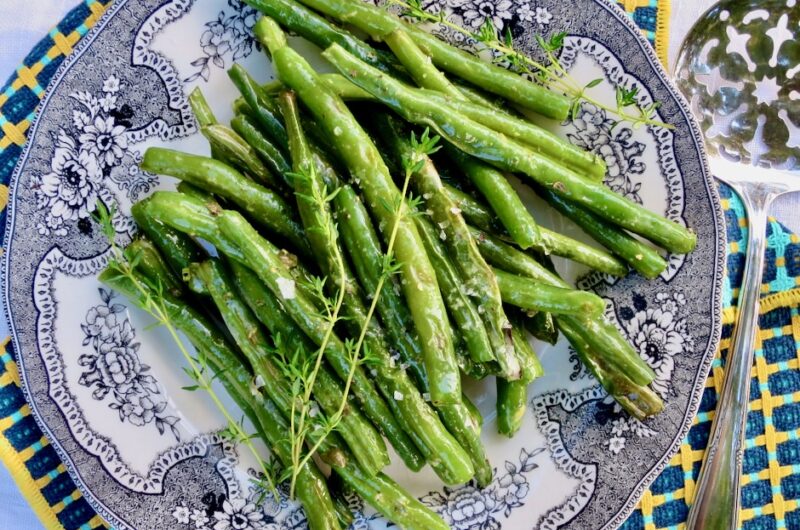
(319, 187)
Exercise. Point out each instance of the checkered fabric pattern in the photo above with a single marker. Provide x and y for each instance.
(652, 17)
(772, 459)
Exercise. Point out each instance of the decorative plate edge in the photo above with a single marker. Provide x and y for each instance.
(719, 272)
(80, 48)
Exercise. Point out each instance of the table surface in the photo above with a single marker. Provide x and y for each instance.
(19, 36)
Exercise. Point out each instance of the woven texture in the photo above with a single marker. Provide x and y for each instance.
(772, 459)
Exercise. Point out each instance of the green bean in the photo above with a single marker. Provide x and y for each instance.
(641, 257)
(410, 409)
(536, 138)
(204, 115)
(311, 192)
(240, 107)
(263, 204)
(605, 338)
(505, 256)
(639, 400)
(342, 87)
(379, 23)
(486, 144)
(191, 274)
(463, 312)
(143, 253)
(316, 29)
(365, 443)
(476, 276)
(201, 109)
(482, 98)
(311, 488)
(191, 216)
(175, 247)
(552, 242)
(512, 401)
(364, 249)
(202, 195)
(368, 169)
(572, 249)
(391, 501)
(474, 212)
(474, 413)
(532, 367)
(235, 151)
(419, 65)
(526, 294)
(509, 258)
(501, 196)
(261, 108)
(269, 154)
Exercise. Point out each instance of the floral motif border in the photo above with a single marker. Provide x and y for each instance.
(143, 56)
(56, 261)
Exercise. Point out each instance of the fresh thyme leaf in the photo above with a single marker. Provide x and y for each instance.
(594, 83)
(626, 98)
(487, 32)
(556, 41)
(509, 39)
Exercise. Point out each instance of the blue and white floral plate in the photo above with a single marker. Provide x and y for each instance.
(106, 387)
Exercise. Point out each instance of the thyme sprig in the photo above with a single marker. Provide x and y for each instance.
(305, 415)
(151, 300)
(551, 74)
(303, 371)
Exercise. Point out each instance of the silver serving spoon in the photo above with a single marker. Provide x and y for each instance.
(739, 67)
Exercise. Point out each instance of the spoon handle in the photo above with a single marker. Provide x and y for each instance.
(717, 498)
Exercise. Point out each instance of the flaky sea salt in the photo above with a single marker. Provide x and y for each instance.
(287, 287)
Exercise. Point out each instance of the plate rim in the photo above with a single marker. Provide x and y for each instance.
(720, 252)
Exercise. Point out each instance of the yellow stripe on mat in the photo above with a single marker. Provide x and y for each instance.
(27, 486)
(662, 31)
